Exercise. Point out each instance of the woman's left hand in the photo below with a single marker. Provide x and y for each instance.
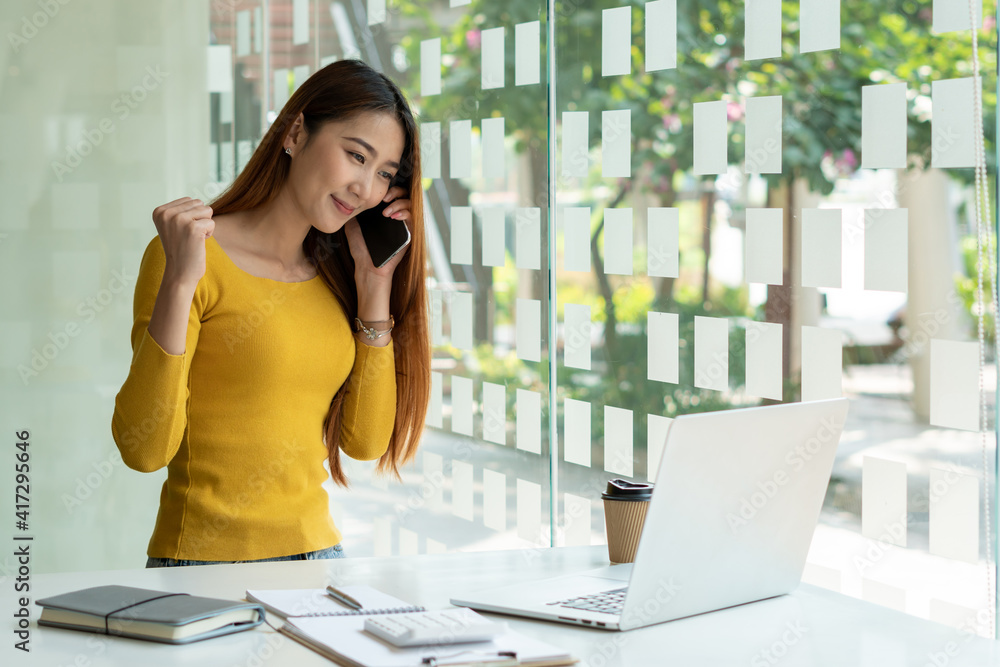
(399, 209)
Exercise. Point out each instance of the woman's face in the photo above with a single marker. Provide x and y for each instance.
(346, 168)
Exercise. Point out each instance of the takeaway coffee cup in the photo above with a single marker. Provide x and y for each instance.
(625, 505)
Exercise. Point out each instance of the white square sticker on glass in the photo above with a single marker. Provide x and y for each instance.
(763, 135)
(436, 298)
(954, 515)
(711, 147)
(662, 342)
(461, 490)
(764, 372)
(458, 3)
(494, 413)
(527, 238)
(575, 143)
(819, 25)
(461, 405)
(618, 441)
(529, 512)
(821, 247)
(952, 118)
(243, 33)
(577, 520)
(434, 406)
(493, 150)
(764, 246)
(529, 329)
(408, 541)
(886, 249)
(430, 150)
(383, 536)
(762, 36)
(822, 363)
(955, 384)
(883, 500)
(527, 38)
(300, 21)
(493, 58)
(376, 12)
(494, 500)
(616, 143)
(461, 320)
(618, 241)
(883, 126)
(711, 353)
(529, 421)
(663, 234)
(461, 148)
(461, 235)
(281, 88)
(493, 237)
(656, 437)
(220, 69)
(661, 35)
(576, 432)
(430, 67)
(616, 41)
(576, 239)
(954, 15)
(577, 329)
(300, 74)
(433, 480)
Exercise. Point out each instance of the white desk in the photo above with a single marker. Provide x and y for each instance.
(830, 629)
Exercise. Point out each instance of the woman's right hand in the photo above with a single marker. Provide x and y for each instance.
(183, 225)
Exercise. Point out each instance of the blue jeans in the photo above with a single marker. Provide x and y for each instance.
(336, 551)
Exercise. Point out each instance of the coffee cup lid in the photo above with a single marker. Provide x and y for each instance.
(620, 489)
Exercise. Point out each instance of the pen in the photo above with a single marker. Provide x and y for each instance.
(342, 597)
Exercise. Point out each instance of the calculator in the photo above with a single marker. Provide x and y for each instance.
(451, 626)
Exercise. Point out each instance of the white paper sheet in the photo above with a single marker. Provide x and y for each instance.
(711, 353)
(461, 148)
(656, 438)
(493, 58)
(954, 515)
(430, 67)
(529, 512)
(462, 497)
(529, 329)
(616, 143)
(955, 384)
(300, 21)
(577, 520)
(763, 139)
(661, 35)
(433, 481)
(529, 421)
(243, 33)
(883, 500)
(576, 432)
(952, 15)
(493, 150)
(376, 12)
(819, 25)
(576, 235)
(883, 126)
(711, 146)
(822, 363)
(616, 41)
(763, 29)
(493, 237)
(461, 405)
(494, 500)
(763, 363)
(576, 143)
(434, 407)
(821, 247)
(952, 117)
(764, 246)
(527, 38)
(618, 441)
(886, 249)
(662, 346)
(461, 235)
(494, 413)
(527, 238)
(461, 320)
(576, 335)
(663, 233)
(430, 150)
(618, 241)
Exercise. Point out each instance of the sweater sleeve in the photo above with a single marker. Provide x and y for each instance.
(369, 410)
(150, 415)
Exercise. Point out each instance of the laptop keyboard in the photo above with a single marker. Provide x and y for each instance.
(608, 602)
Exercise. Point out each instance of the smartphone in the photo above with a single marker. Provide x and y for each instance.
(384, 236)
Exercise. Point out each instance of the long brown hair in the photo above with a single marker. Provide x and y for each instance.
(339, 92)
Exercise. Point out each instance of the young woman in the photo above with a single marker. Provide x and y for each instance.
(245, 373)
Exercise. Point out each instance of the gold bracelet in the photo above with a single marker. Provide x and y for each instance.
(370, 332)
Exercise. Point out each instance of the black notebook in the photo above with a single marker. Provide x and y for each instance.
(160, 616)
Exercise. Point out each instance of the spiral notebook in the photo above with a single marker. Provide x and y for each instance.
(303, 602)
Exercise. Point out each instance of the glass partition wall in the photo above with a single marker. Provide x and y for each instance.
(634, 211)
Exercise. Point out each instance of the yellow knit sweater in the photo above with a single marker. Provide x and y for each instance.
(238, 418)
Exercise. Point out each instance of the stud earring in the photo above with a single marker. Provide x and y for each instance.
(288, 151)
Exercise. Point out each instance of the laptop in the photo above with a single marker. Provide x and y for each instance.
(737, 498)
